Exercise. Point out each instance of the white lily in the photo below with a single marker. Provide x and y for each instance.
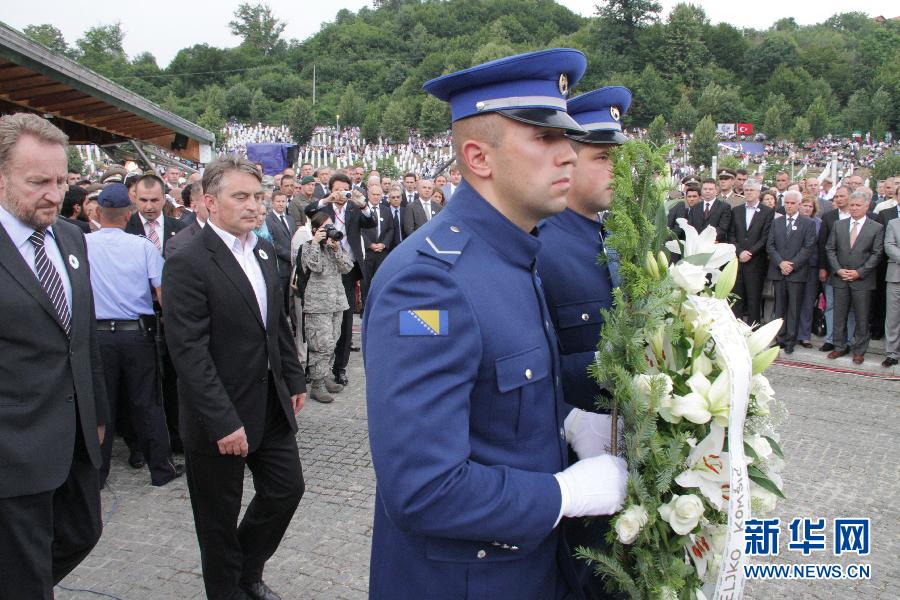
(702, 364)
(708, 467)
(706, 549)
(705, 243)
(760, 339)
(706, 400)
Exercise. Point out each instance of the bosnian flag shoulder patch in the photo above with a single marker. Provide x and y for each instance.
(423, 322)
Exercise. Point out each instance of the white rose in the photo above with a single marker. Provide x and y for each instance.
(761, 446)
(762, 500)
(688, 277)
(762, 393)
(630, 522)
(683, 513)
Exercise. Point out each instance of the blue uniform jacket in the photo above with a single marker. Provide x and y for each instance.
(577, 288)
(465, 414)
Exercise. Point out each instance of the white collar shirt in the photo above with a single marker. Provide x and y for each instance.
(246, 258)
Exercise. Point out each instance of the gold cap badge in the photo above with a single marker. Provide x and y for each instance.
(563, 84)
(614, 112)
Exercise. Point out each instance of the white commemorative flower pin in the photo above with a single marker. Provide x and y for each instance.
(793, 228)
(263, 255)
(73, 261)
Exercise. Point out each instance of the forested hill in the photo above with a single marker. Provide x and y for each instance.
(836, 76)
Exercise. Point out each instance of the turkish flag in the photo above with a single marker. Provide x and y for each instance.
(745, 128)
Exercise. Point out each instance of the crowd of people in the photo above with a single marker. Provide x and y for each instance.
(194, 313)
(812, 255)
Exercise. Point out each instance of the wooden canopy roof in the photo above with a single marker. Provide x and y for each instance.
(90, 108)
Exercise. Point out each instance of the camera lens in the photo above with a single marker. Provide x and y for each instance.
(347, 195)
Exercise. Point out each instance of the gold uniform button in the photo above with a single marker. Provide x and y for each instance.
(454, 229)
(528, 374)
(585, 317)
(481, 554)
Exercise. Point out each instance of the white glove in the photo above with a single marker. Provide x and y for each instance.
(589, 433)
(593, 486)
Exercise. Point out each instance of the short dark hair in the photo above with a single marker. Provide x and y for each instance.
(413, 175)
(317, 219)
(742, 172)
(691, 187)
(186, 195)
(149, 180)
(284, 177)
(709, 180)
(339, 177)
(277, 193)
(75, 196)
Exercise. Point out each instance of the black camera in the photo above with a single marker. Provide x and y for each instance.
(331, 233)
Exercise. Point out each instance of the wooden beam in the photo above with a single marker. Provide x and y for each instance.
(36, 90)
(84, 102)
(9, 73)
(50, 100)
(99, 111)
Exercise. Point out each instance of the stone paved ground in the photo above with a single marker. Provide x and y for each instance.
(842, 440)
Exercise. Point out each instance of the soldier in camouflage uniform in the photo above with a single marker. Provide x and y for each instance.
(324, 302)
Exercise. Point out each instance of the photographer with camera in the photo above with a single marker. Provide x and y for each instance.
(350, 213)
(322, 264)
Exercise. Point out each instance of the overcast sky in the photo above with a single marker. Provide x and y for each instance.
(163, 27)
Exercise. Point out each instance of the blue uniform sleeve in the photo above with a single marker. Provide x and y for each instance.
(418, 394)
(155, 263)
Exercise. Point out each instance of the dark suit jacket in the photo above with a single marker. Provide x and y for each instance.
(414, 216)
(354, 222)
(864, 256)
(181, 239)
(82, 225)
(887, 215)
(828, 221)
(44, 375)
(224, 354)
(753, 240)
(404, 201)
(170, 225)
(796, 247)
(370, 235)
(719, 217)
(281, 238)
(320, 191)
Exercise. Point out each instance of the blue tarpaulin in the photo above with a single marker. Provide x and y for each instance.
(274, 158)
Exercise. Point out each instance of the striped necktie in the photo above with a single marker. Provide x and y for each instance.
(51, 281)
(153, 236)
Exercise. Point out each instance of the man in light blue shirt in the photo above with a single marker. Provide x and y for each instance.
(126, 270)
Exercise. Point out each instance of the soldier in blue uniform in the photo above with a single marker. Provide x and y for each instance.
(466, 420)
(577, 285)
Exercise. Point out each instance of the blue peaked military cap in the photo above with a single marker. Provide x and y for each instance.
(114, 195)
(600, 114)
(531, 88)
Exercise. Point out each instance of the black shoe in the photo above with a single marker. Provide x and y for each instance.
(806, 344)
(136, 459)
(341, 378)
(888, 362)
(178, 472)
(788, 349)
(826, 347)
(260, 591)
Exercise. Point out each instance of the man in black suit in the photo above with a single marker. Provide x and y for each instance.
(750, 225)
(791, 242)
(421, 210)
(350, 216)
(181, 239)
(710, 211)
(322, 175)
(854, 249)
(147, 194)
(281, 227)
(52, 391)
(409, 189)
(240, 384)
(376, 240)
(681, 210)
(73, 209)
(839, 200)
(188, 215)
(782, 181)
(395, 205)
